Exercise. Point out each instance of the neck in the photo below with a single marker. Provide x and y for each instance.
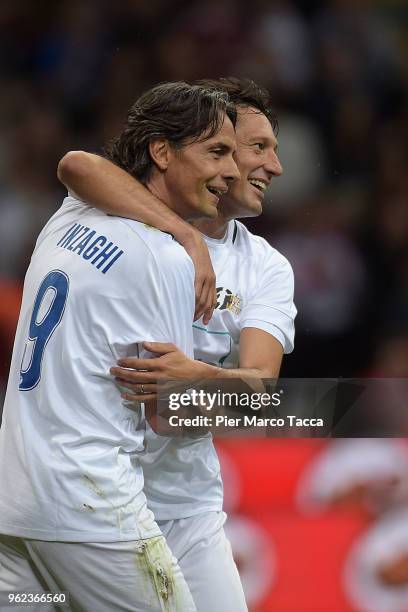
(214, 228)
(217, 228)
(157, 186)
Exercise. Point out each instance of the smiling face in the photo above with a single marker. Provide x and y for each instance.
(257, 161)
(198, 174)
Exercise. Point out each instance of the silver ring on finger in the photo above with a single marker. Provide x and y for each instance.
(142, 389)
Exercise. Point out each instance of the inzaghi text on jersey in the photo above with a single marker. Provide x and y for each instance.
(96, 249)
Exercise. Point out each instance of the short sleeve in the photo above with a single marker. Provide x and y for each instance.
(271, 307)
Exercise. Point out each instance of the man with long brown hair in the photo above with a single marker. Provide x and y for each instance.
(73, 514)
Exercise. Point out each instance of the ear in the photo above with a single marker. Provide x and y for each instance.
(160, 153)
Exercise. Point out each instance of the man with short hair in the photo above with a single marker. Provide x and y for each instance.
(73, 515)
(252, 325)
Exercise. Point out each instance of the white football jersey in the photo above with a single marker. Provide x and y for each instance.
(95, 288)
(254, 289)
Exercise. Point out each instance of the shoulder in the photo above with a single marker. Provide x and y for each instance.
(161, 245)
(136, 236)
(268, 258)
(144, 251)
(168, 258)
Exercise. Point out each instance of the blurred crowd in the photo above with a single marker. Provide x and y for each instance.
(338, 76)
(337, 72)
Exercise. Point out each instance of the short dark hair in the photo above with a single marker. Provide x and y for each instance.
(179, 112)
(245, 92)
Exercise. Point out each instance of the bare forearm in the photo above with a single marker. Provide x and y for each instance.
(106, 186)
(260, 356)
(211, 372)
(141, 376)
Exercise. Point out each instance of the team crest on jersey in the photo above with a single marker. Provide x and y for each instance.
(226, 300)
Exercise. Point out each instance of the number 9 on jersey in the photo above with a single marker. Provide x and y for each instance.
(48, 309)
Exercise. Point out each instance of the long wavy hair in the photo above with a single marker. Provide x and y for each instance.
(178, 112)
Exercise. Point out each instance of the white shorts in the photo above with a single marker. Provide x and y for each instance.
(206, 561)
(136, 576)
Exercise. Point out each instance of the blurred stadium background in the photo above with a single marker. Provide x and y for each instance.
(338, 76)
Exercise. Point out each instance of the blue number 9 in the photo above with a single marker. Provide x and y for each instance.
(40, 332)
